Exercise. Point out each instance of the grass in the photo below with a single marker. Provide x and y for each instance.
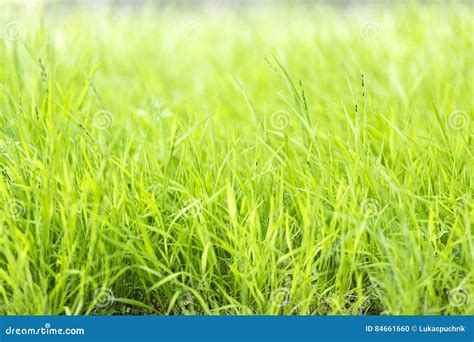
(240, 161)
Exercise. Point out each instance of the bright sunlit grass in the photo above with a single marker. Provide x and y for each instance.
(237, 161)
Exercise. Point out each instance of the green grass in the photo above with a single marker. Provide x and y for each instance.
(235, 162)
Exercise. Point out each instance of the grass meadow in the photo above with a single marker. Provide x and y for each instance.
(238, 160)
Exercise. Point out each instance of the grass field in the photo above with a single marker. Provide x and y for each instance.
(267, 160)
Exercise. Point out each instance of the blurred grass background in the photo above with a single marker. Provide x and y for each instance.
(283, 158)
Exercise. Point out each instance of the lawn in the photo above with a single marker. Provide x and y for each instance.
(296, 160)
